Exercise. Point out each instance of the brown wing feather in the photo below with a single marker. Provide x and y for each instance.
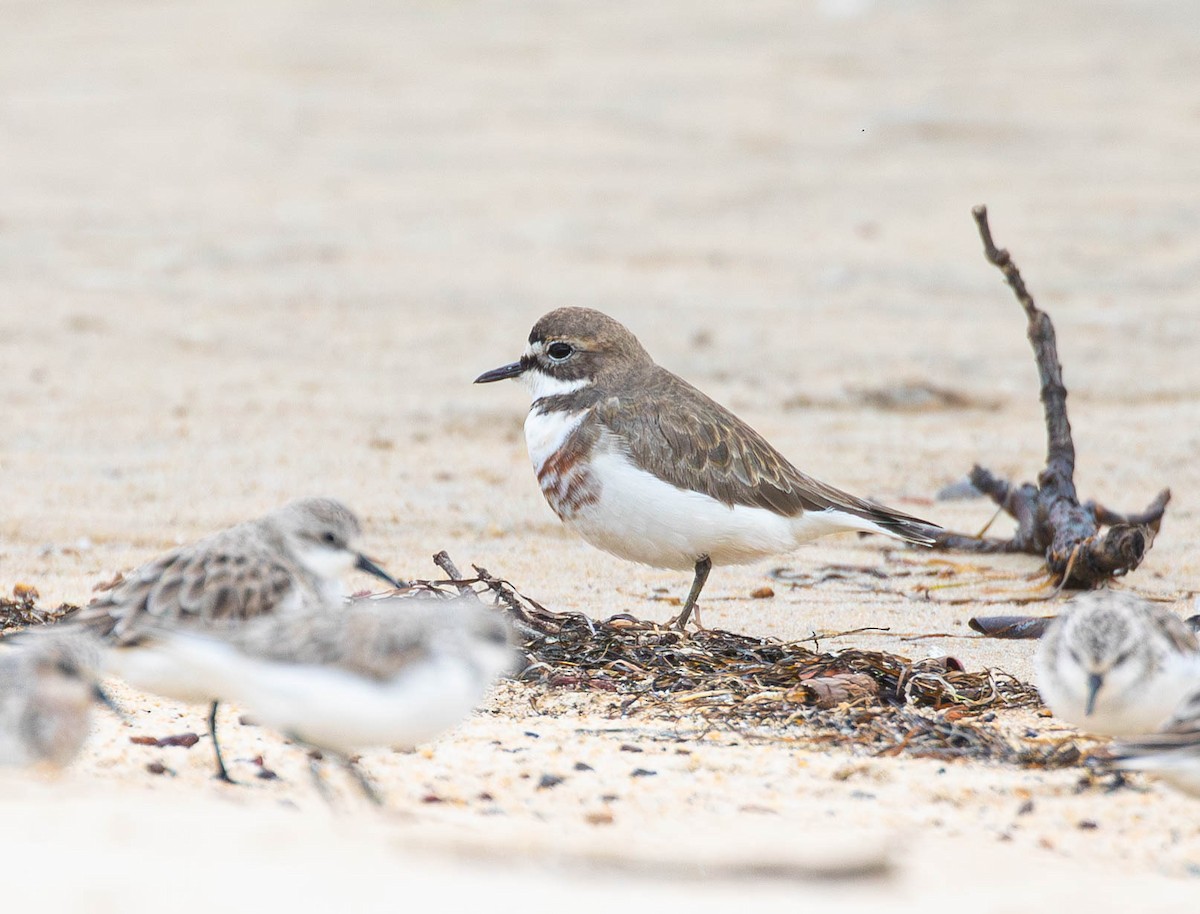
(708, 449)
(227, 580)
(1178, 632)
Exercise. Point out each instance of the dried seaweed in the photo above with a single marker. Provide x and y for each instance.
(21, 610)
(762, 687)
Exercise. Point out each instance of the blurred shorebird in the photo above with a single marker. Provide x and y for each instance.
(1115, 664)
(288, 561)
(1173, 752)
(382, 672)
(48, 684)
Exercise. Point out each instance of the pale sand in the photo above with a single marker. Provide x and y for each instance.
(251, 252)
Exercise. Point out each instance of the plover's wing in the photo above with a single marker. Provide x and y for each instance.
(375, 639)
(689, 440)
(1177, 632)
(208, 582)
(372, 638)
(1178, 739)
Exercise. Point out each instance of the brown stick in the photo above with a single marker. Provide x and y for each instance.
(443, 561)
(1050, 519)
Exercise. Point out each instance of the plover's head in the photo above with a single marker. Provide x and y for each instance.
(322, 535)
(569, 349)
(58, 672)
(1101, 647)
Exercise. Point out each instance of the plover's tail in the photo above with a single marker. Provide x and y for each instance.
(865, 517)
(903, 526)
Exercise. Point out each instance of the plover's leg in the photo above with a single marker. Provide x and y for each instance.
(222, 774)
(1119, 782)
(703, 567)
(314, 768)
(365, 784)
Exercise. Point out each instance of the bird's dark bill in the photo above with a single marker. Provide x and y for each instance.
(102, 697)
(1095, 680)
(502, 373)
(365, 564)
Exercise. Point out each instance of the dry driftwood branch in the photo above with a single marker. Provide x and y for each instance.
(1051, 521)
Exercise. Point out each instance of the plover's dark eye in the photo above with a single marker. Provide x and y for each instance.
(559, 352)
(329, 537)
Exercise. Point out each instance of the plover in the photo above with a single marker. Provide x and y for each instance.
(289, 560)
(1115, 664)
(643, 465)
(48, 684)
(382, 672)
(1173, 752)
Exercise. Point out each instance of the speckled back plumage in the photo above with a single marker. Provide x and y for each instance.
(245, 571)
(375, 638)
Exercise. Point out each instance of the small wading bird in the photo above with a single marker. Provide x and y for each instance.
(1115, 664)
(644, 466)
(381, 672)
(289, 560)
(48, 684)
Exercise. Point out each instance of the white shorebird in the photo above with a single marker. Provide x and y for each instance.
(48, 684)
(382, 672)
(288, 561)
(1115, 664)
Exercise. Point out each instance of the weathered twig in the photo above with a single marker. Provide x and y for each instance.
(1050, 519)
(443, 561)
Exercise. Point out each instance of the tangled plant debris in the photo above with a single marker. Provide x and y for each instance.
(21, 610)
(856, 698)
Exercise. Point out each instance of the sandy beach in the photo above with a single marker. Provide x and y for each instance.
(250, 253)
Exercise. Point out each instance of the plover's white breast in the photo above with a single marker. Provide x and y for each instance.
(339, 710)
(547, 432)
(559, 454)
(329, 706)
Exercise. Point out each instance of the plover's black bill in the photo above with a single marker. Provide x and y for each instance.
(1094, 683)
(103, 698)
(365, 564)
(503, 373)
